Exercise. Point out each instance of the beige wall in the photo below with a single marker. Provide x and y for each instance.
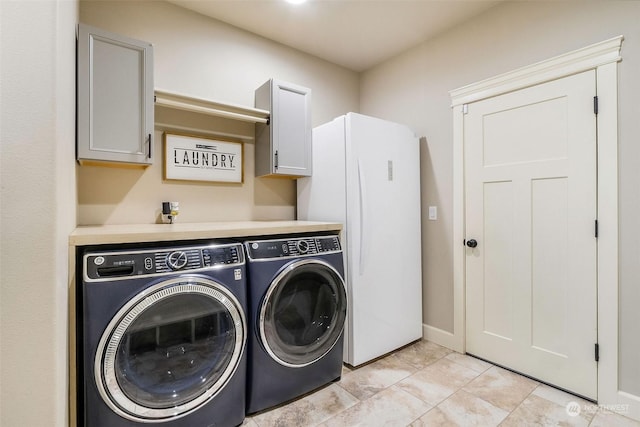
(198, 56)
(37, 135)
(413, 88)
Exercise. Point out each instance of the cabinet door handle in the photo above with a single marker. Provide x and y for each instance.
(276, 159)
(149, 145)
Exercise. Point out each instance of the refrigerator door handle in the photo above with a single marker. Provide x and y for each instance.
(363, 193)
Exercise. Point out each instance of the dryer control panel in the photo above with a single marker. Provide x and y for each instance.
(293, 247)
(98, 266)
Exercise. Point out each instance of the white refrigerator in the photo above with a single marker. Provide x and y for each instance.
(366, 175)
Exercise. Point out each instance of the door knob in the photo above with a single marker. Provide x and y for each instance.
(472, 243)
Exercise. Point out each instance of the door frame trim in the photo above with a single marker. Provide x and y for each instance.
(602, 57)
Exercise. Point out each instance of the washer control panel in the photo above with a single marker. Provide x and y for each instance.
(292, 247)
(136, 263)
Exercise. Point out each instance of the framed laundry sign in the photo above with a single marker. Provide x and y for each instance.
(193, 158)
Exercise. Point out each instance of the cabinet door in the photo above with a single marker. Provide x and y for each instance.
(115, 97)
(291, 119)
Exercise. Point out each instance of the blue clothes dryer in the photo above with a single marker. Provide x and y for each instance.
(297, 310)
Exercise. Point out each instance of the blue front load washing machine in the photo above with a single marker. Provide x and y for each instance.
(297, 310)
(162, 336)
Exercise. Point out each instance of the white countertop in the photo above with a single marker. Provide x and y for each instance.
(135, 233)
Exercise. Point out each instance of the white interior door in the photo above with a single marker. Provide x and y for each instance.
(530, 204)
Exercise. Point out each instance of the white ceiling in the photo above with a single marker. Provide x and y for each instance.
(356, 34)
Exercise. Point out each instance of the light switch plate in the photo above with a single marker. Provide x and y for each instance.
(433, 213)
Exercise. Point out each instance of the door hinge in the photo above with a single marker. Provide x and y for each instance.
(597, 352)
(595, 105)
(596, 229)
(275, 156)
(465, 108)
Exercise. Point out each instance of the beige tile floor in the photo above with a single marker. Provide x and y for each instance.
(428, 385)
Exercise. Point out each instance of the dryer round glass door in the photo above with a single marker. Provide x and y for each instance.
(303, 313)
(170, 349)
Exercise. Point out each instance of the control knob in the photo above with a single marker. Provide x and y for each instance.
(302, 246)
(177, 260)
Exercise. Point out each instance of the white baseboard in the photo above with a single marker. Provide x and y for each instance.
(442, 337)
(632, 409)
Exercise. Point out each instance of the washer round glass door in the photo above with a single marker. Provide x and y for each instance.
(303, 313)
(170, 349)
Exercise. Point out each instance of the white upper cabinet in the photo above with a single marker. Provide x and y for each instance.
(115, 98)
(283, 146)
